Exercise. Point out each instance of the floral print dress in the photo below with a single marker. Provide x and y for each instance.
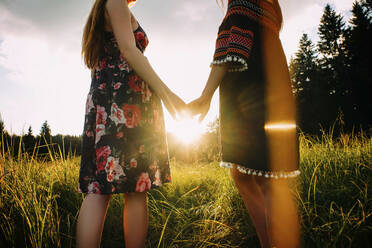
(124, 147)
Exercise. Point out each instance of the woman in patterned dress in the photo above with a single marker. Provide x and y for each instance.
(257, 116)
(124, 147)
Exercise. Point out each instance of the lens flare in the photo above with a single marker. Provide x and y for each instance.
(280, 126)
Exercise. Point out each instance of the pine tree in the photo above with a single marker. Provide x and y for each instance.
(29, 140)
(359, 59)
(368, 5)
(331, 30)
(29, 132)
(332, 60)
(46, 132)
(304, 77)
(303, 66)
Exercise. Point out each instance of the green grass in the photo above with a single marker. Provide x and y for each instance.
(39, 203)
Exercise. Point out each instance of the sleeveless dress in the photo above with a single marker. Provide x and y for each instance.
(243, 110)
(124, 146)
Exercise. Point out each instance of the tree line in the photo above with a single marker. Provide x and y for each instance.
(42, 145)
(332, 78)
(47, 146)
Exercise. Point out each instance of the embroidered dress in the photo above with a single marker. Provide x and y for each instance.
(124, 147)
(243, 109)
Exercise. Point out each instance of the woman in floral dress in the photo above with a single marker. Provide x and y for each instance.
(124, 148)
(257, 116)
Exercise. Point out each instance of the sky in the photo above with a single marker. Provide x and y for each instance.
(43, 77)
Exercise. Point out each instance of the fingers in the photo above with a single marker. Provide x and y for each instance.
(178, 108)
(194, 107)
(175, 105)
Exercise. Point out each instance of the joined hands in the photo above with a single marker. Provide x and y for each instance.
(178, 108)
(199, 106)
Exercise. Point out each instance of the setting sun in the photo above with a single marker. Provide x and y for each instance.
(187, 130)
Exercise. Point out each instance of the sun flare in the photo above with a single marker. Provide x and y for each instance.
(187, 130)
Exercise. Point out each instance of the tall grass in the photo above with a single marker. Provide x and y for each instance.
(39, 203)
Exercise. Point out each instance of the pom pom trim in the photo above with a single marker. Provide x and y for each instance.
(266, 174)
(239, 63)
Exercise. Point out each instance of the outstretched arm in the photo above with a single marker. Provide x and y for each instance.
(120, 18)
(202, 104)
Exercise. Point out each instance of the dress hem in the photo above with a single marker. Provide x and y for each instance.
(97, 192)
(266, 174)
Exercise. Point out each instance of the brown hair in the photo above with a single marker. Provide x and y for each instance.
(92, 45)
(93, 42)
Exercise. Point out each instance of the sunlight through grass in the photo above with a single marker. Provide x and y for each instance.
(39, 203)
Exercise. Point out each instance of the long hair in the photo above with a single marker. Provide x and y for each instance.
(93, 41)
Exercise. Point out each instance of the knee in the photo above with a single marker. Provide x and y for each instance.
(244, 183)
(264, 184)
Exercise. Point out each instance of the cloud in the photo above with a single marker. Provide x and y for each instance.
(41, 83)
(12, 25)
(51, 15)
(188, 11)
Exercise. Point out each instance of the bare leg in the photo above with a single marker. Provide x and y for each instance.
(255, 203)
(91, 220)
(282, 215)
(135, 220)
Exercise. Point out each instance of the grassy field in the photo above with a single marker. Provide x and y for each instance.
(201, 208)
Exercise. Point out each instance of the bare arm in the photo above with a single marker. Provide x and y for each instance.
(202, 104)
(215, 78)
(120, 19)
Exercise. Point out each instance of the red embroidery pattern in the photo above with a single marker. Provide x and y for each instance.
(235, 37)
(261, 11)
(255, 17)
(236, 41)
